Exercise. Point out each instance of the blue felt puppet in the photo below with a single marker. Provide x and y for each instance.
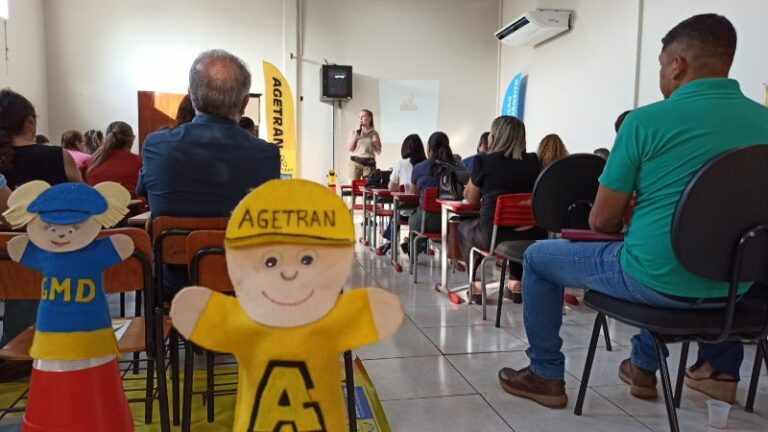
(75, 383)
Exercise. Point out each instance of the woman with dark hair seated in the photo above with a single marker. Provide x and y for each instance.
(505, 169)
(23, 160)
(185, 112)
(424, 176)
(412, 152)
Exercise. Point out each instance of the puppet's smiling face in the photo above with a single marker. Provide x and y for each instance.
(286, 285)
(62, 238)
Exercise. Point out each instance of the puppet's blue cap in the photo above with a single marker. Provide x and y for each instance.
(68, 203)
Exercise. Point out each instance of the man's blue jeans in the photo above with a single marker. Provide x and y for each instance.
(550, 265)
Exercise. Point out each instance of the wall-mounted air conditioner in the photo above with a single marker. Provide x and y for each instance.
(535, 27)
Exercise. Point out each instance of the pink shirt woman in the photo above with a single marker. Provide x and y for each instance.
(73, 141)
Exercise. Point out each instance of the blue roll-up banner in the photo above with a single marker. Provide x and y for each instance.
(514, 99)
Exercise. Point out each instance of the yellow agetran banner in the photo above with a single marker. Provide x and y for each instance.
(281, 119)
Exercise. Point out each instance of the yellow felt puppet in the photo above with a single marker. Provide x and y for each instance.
(289, 249)
(75, 383)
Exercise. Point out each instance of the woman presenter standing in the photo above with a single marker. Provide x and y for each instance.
(364, 144)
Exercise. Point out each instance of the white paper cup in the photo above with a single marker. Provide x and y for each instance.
(717, 412)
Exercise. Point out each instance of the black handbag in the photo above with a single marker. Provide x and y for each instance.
(451, 180)
(378, 179)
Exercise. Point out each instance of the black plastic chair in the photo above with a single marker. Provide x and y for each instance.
(720, 232)
(562, 198)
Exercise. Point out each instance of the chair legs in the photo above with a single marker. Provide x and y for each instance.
(761, 355)
(349, 376)
(209, 384)
(502, 287)
(681, 373)
(483, 288)
(189, 370)
(175, 375)
(606, 335)
(149, 385)
(160, 366)
(666, 385)
(599, 320)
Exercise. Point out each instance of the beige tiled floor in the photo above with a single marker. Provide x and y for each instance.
(439, 372)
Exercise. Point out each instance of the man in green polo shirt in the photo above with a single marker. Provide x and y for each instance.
(658, 149)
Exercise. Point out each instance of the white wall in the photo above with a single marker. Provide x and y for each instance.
(450, 41)
(25, 69)
(750, 66)
(579, 82)
(101, 52)
(96, 64)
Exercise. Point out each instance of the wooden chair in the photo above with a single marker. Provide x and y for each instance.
(169, 243)
(132, 275)
(208, 268)
(17, 283)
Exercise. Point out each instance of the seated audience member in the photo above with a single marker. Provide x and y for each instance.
(185, 112)
(424, 175)
(74, 143)
(23, 160)
(505, 169)
(113, 161)
(248, 124)
(657, 151)
(482, 147)
(620, 120)
(602, 152)
(551, 148)
(42, 139)
(203, 168)
(412, 152)
(5, 192)
(93, 139)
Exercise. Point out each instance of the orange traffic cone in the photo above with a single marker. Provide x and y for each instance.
(80, 400)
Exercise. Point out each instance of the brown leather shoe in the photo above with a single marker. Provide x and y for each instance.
(718, 386)
(524, 383)
(642, 384)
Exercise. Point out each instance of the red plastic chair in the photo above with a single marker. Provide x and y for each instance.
(357, 190)
(512, 210)
(428, 205)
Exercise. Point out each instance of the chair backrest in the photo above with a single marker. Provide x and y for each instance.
(205, 258)
(17, 282)
(134, 273)
(725, 206)
(564, 192)
(358, 185)
(169, 235)
(428, 202)
(513, 210)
